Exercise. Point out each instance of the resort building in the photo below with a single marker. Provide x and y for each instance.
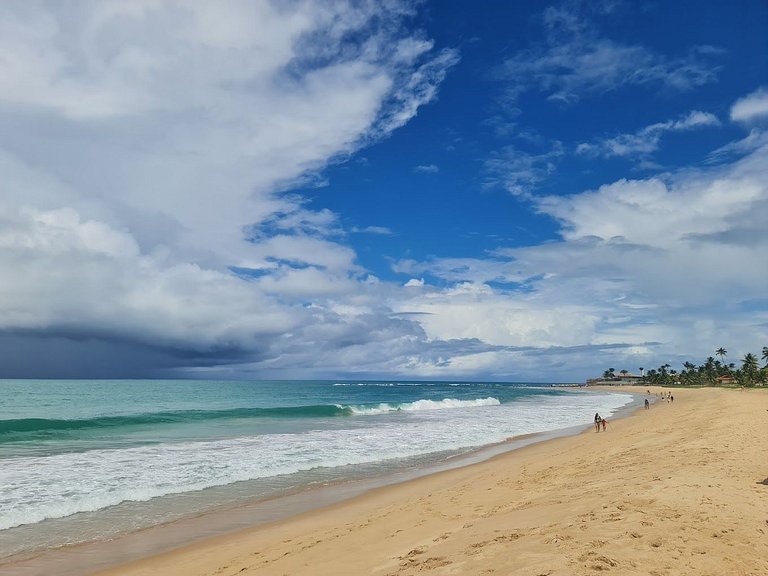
(626, 379)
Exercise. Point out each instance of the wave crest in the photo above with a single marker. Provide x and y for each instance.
(34, 428)
(419, 405)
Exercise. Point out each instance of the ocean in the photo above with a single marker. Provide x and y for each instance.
(91, 460)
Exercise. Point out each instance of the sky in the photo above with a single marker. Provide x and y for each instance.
(393, 189)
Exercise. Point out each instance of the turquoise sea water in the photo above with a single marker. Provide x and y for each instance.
(88, 460)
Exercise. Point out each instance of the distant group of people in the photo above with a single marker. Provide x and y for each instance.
(665, 395)
(601, 422)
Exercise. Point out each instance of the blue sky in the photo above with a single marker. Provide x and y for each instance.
(521, 191)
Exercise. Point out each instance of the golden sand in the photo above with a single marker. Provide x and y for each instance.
(681, 488)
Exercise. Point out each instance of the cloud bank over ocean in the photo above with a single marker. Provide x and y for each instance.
(164, 168)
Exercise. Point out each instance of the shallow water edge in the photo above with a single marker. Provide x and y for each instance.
(88, 558)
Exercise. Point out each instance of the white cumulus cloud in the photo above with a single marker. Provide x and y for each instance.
(650, 269)
(144, 148)
(751, 107)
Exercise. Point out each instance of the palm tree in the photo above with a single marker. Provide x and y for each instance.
(664, 374)
(749, 363)
(765, 355)
(722, 352)
(749, 369)
(710, 369)
(689, 372)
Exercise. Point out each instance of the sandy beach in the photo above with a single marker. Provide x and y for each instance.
(680, 488)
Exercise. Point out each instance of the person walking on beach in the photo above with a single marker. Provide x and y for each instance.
(647, 404)
(597, 422)
(604, 422)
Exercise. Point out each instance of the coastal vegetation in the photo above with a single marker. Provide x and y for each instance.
(711, 373)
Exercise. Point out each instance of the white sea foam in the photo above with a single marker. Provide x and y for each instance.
(371, 384)
(55, 486)
(419, 405)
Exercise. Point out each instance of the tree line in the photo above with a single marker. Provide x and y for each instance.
(711, 372)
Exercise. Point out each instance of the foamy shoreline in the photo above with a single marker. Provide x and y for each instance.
(83, 558)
